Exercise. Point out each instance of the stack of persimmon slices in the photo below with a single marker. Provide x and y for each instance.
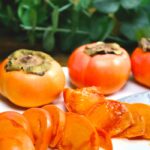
(50, 127)
(115, 118)
(89, 123)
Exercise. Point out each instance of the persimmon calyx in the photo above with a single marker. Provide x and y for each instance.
(34, 62)
(103, 48)
(145, 44)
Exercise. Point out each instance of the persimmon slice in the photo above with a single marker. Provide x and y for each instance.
(18, 120)
(137, 129)
(112, 116)
(58, 123)
(81, 100)
(105, 140)
(15, 139)
(41, 125)
(79, 134)
(144, 110)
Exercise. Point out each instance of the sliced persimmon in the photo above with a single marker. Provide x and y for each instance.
(79, 134)
(15, 139)
(41, 125)
(58, 123)
(144, 110)
(81, 100)
(137, 129)
(112, 116)
(18, 120)
(105, 140)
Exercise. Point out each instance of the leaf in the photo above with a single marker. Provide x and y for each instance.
(106, 6)
(80, 4)
(70, 41)
(49, 40)
(36, 2)
(130, 28)
(130, 4)
(27, 15)
(55, 18)
(143, 32)
(145, 2)
(101, 28)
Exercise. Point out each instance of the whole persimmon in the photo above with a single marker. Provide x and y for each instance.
(140, 61)
(105, 65)
(31, 78)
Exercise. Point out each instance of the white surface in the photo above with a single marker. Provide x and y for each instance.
(118, 144)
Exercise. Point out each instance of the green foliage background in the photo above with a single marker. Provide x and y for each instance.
(66, 24)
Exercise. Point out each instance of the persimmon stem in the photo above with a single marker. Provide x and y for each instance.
(145, 44)
(29, 61)
(103, 48)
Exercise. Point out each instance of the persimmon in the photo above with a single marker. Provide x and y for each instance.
(110, 115)
(17, 120)
(105, 65)
(79, 134)
(41, 125)
(140, 60)
(137, 129)
(31, 78)
(82, 99)
(58, 123)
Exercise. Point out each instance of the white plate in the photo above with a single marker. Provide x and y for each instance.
(118, 144)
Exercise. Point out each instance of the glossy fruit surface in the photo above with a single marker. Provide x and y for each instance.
(31, 78)
(105, 65)
(140, 60)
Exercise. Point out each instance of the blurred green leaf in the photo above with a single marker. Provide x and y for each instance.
(136, 22)
(129, 4)
(143, 32)
(66, 24)
(55, 18)
(27, 15)
(48, 40)
(100, 27)
(36, 2)
(145, 2)
(106, 6)
(81, 4)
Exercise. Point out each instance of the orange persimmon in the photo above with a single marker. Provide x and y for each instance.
(79, 134)
(31, 78)
(110, 115)
(137, 129)
(81, 100)
(41, 125)
(58, 123)
(106, 65)
(140, 61)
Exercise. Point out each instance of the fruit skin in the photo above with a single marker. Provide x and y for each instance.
(110, 72)
(140, 62)
(31, 90)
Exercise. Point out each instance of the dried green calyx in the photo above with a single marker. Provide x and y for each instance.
(34, 62)
(145, 44)
(103, 48)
